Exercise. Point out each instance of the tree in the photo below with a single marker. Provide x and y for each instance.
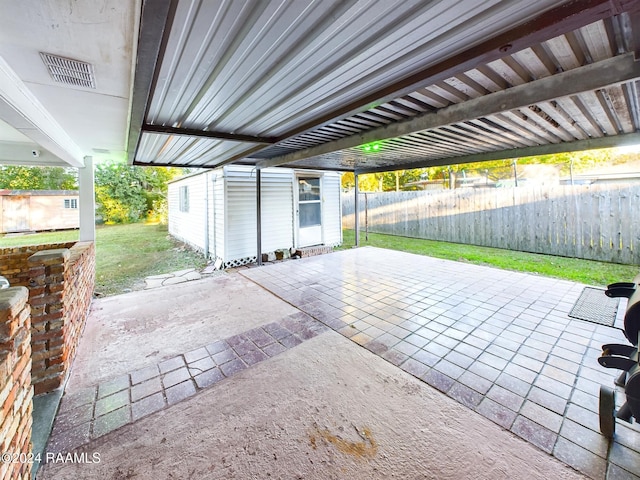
(579, 161)
(37, 178)
(400, 178)
(382, 182)
(370, 182)
(127, 194)
(119, 193)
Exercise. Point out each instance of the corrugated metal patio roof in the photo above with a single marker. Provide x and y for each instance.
(368, 86)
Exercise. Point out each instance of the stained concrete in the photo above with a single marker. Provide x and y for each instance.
(131, 331)
(174, 278)
(44, 411)
(326, 409)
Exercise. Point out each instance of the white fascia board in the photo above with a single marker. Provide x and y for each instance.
(21, 109)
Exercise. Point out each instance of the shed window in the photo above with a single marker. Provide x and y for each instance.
(184, 199)
(70, 203)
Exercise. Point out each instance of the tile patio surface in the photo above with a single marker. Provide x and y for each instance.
(498, 342)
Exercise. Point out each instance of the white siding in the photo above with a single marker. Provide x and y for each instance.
(277, 209)
(231, 213)
(218, 208)
(188, 226)
(240, 213)
(331, 209)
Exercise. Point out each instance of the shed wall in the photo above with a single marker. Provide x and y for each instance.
(32, 212)
(188, 226)
(332, 209)
(240, 219)
(48, 212)
(229, 222)
(218, 209)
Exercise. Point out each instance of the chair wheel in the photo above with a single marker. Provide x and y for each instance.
(607, 411)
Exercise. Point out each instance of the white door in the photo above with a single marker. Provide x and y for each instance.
(309, 211)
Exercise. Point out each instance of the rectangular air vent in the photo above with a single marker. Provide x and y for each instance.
(69, 71)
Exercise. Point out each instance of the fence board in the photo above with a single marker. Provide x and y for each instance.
(595, 222)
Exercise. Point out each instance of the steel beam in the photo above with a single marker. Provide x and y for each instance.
(609, 72)
(155, 24)
(577, 146)
(193, 132)
(560, 20)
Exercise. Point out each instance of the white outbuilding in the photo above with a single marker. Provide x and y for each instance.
(215, 211)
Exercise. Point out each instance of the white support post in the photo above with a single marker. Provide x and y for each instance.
(258, 216)
(87, 201)
(356, 207)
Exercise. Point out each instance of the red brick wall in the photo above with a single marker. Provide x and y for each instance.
(61, 287)
(13, 261)
(16, 392)
(78, 293)
(36, 355)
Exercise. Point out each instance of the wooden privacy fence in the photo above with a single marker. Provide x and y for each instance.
(594, 222)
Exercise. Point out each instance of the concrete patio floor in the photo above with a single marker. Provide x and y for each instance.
(220, 378)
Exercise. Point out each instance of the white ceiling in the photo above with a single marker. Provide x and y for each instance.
(10, 134)
(68, 122)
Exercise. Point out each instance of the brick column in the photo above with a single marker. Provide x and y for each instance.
(16, 393)
(46, 296)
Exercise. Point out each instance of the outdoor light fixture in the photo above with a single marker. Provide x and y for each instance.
(371, 147)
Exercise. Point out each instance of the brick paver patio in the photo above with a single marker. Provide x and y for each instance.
(499, 342)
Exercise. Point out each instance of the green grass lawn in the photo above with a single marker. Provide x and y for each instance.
(19, 240)
(125, 254)
(583, 271)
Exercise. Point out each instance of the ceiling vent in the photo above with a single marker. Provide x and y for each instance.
(68, 71)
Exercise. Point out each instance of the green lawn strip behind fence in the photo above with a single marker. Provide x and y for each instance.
(125, 254)
(574, 269)
(19, 240)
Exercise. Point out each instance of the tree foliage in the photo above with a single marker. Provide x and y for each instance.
(383, 182)
(127, 194)
(37, 178)
(578, 161)
(124, 193)
(495, 169)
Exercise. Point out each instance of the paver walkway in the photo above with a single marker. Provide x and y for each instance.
(92, 412)
(499, 342)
